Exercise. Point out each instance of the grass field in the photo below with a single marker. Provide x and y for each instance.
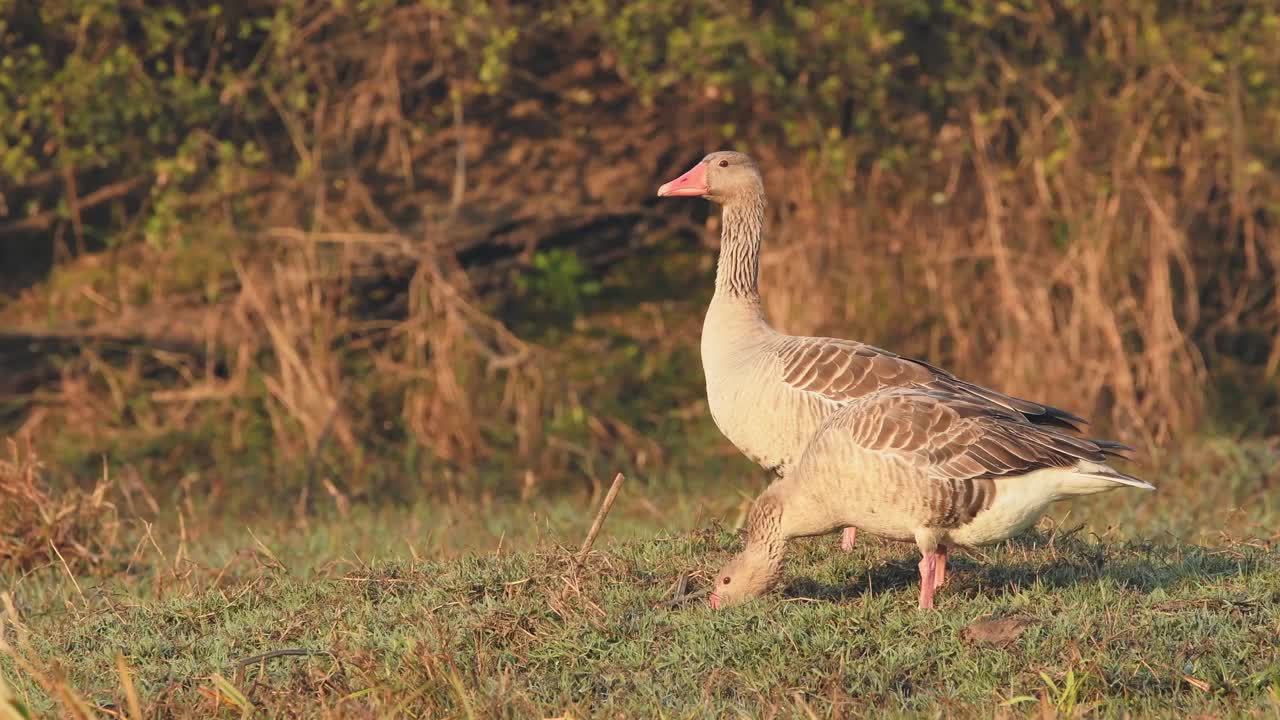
(1146, 604)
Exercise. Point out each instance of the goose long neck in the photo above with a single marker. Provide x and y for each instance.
(742, 228)
(765, 526)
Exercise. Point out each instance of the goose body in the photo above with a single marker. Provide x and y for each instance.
(931, 467)
(768, 392)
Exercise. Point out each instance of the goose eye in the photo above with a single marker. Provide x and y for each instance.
(724, 163)
(725, 580)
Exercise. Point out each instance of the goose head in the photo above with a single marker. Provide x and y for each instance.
(721, 177)
(750, 574)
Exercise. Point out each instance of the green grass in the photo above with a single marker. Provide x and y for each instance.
(476, 611)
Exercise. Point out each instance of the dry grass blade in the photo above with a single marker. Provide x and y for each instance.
(228, 693)
(11, 708)
(130, 693)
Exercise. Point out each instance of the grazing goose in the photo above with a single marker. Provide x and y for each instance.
(768, 392)
(930, 467)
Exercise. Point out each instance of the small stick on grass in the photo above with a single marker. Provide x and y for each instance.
(244, 664)
(683, 595)
(600, 516)
(682, 585)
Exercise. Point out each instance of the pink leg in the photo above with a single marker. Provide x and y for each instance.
(847, 538)
(940, 576)
(928, 579)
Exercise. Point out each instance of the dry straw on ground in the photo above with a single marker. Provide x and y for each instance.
(71, 528)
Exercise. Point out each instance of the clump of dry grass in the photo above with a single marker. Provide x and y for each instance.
(289, 307)
(74, 527)
(453, 350)
(435, 360)
(1042, 271)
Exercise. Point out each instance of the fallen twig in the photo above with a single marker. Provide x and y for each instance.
(599, 521)
(243, 664)
(682, 598)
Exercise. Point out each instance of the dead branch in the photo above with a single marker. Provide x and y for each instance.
(599, 521)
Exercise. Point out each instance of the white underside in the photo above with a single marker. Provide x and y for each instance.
(1019, 502)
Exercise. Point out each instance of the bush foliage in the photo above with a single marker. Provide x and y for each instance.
(187, 95)
(1093, 179)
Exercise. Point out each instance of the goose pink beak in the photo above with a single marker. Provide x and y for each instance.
(714, 600)
(690, 184)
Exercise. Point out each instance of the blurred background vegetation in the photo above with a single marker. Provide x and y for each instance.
(351, 251)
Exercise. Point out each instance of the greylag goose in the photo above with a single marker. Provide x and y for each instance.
(934, 468)
(768, 391)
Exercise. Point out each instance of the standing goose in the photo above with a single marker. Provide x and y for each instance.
(934, 468)
(768, 392)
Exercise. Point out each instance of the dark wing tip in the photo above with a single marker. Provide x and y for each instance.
(1115, 449)
(1057, 417)
(1034, 412)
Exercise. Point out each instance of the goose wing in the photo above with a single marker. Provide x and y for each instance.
(843, 370)
(953, 437)
(962, 446)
